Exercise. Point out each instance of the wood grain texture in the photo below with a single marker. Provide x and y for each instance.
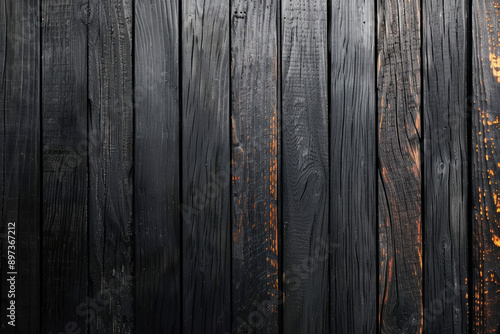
(110, 165)
(305, 166)
(485, 165)
(20, 169)
(353, 294)
(206, 165)
(256, 297)
(65, 173)
(400, 230)
(445, 182)
(156, 165)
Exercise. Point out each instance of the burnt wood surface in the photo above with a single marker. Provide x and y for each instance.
(250, 166)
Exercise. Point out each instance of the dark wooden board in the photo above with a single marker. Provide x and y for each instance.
(156, 166)
(399, 133)
(445, 182)
(486, 166)
(111, 266)
(20, 162)
(353, 264)
(305, 166)
(206, 166)
(256, 298)
(65, 158)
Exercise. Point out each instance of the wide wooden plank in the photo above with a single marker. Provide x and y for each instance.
(353, 293)
(255, 263)
(205, 208)
(20, 169)
(305, 166)
(110, 165)
(399, 133)
(445, 182)
(485, 165)
(156, 166)
(65, 173)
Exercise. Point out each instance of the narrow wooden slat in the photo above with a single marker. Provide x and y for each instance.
(353, 293)
(205, 208)
(110, 165)
(400, 230)
(445, 165)
(156, 165)
(256, 296)
(65, 174)
(486, 165)
(20, 168)
(305, 166)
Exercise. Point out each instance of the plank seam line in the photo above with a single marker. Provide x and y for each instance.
(133, 224)
(181, 183)
(230, 141)
(330, 188)
(40, 159)
(422, 164)
(469, 154)
(279, 79)
(377, 163)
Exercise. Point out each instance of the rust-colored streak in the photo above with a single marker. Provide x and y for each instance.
(486, 132)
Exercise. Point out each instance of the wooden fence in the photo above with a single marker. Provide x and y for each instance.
(250, 166)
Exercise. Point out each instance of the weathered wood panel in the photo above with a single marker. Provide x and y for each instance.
(206, 202)
(305, 166)
(256, 297)
(353, 264)
(156, 166)
(110, 165)
(485, 165)
(20, 162)
(65, 158)
(444, 70)
(400, 230)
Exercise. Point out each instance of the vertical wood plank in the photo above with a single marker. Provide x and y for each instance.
(110, 165)
(445, 165)
(20, 169)
(305, 166)
(400, 230)
(353, 293)
(156, 165)
(65, 174)
(206, 228)
(486, 165)
(256, 296)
